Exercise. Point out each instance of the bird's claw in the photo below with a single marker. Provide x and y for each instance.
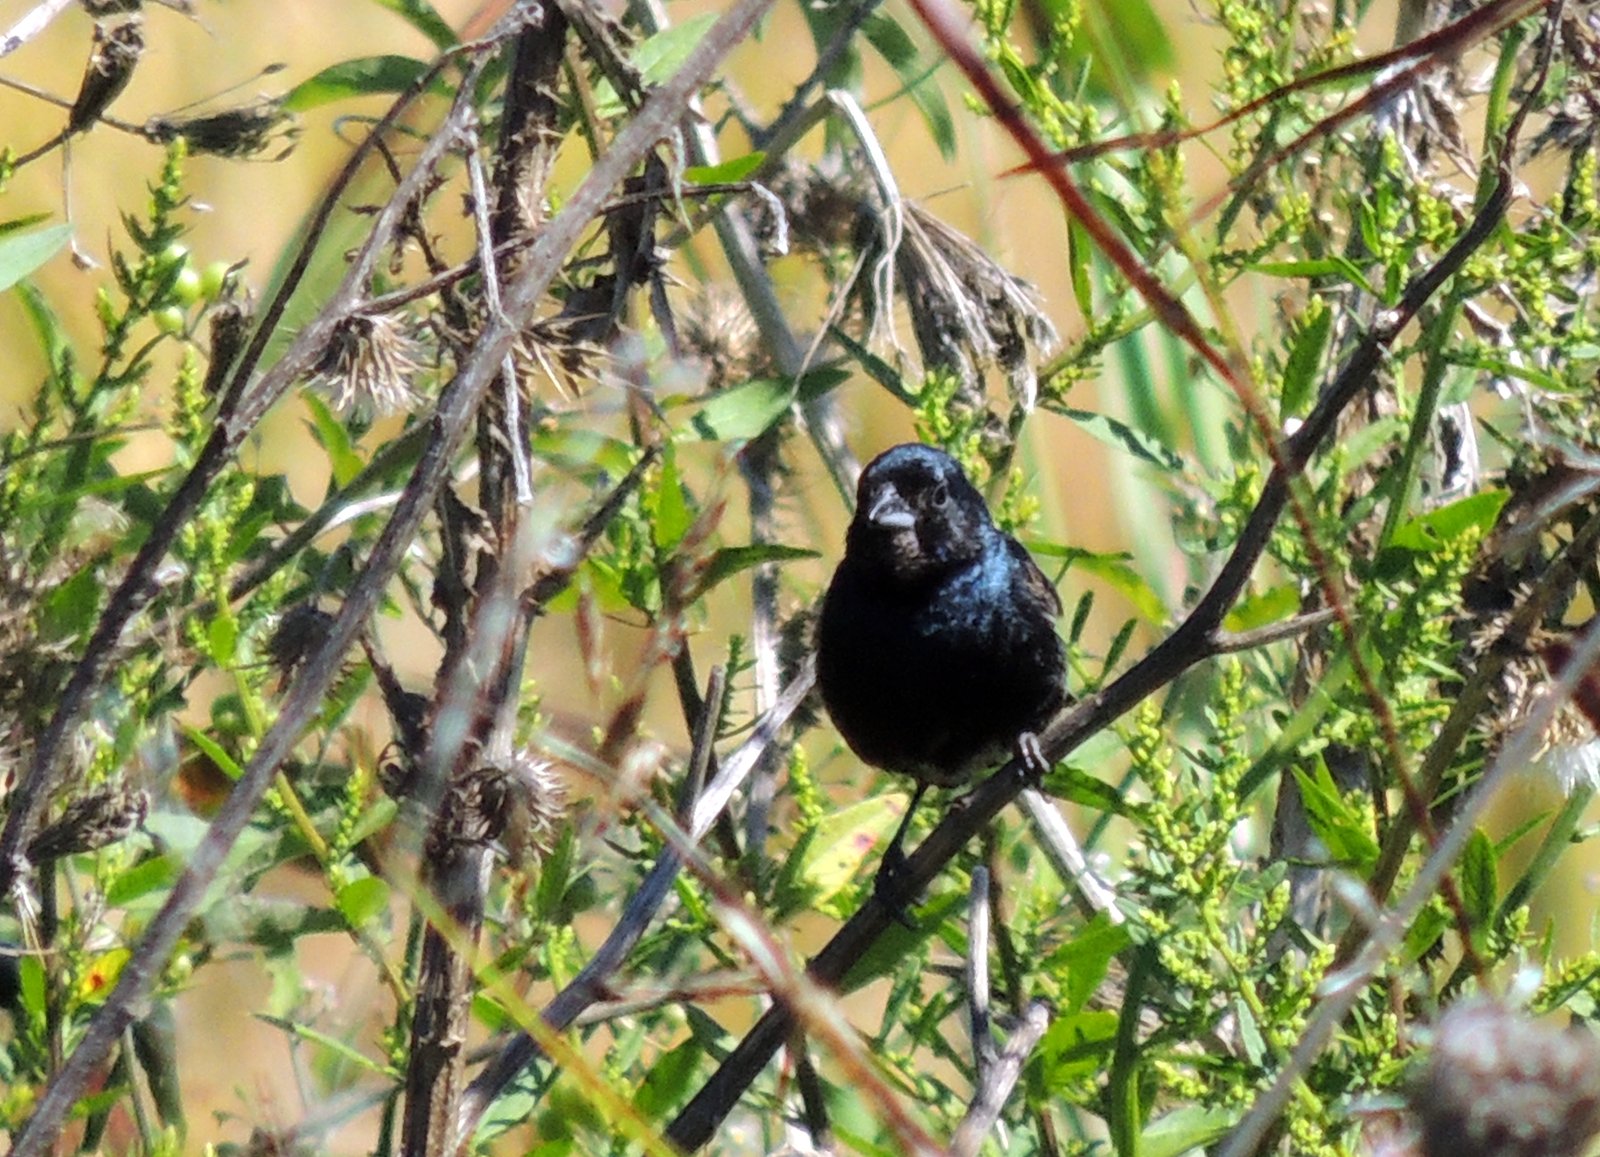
(1032, 756)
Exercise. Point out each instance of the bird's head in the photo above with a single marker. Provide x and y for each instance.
(917, 516)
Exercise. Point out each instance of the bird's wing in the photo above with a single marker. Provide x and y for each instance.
(1033, 579)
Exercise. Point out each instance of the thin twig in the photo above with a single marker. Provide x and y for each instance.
(978, 971)
(994, 1087)
(32, 24)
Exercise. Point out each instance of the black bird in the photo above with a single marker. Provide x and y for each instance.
(936, 649)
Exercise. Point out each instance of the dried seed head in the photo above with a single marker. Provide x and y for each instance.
(369, 362)
(230, 326)
(1501, 1084)
(118, 44)
(1569, 747)
(91, 822)
(717, 329)
(300, 629)
(518, 806)
(968, 311)
(241, 132)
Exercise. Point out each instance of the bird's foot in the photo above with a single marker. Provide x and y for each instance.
(1034, 764)
(890, 887)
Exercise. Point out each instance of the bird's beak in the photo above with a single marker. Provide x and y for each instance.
(889, 510)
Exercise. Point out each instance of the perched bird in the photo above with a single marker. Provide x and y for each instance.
(936, 648)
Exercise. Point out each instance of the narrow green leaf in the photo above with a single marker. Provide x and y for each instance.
(333, 1044)
(1340, 267)
(1480, 880)
(1340, 826)
(1079, 251)
(1305, 358)
(1114, 570)
(727, 173)
(365, 76)
(1124, 437)
(333, 437)
(728, 561)
(213, 751)
(657, 59)
(1190, 1129)
(917, 76)
(751, 408)
(16, 224)
(422, 16)
(22, 253)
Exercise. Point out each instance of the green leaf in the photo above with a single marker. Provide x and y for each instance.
(580, 449)
(1442, 527)
(333, 437)
(750, 409)
(1480, 881)
(657, 59)
(421, 16)
(1112, 569)
(835, 855)
(727, 173)
(886, 35)
(1340, 826)
(1190, 1129)
(1305, 358)
(70, 609)
(362, 901)
(366, 76)
(1258, 610)
(222, 636)
(152, 875)
(22, 253)
(1072, 784)
(1075, 1046)
(16, 224)
(1087, 957)
(891, 950)
(669, 1080)
(1341, 267)
(728, 561)
(1121, 436)
(213, 751)
(333, 1044)
(672, 516)
(1079, 251)
(377, 817)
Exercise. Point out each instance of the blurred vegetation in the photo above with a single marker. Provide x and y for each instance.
(587, 342)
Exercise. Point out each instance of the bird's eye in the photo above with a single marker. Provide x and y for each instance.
(941, 494)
